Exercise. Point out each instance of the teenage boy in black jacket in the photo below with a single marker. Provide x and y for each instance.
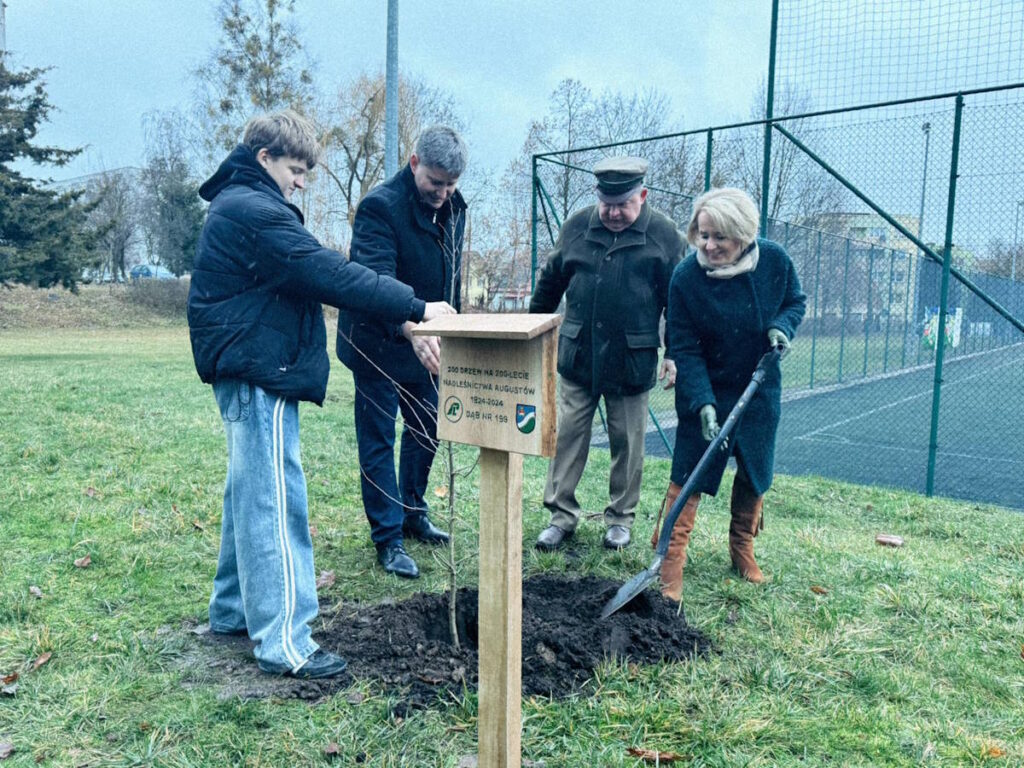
(258, 336)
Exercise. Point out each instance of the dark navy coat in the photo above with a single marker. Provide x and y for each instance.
(395, 234)
(254, 305)
(616, 288)
(717, 332)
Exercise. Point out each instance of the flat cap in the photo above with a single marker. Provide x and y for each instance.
(619, 178)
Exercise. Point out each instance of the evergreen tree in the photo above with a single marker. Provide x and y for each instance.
(44, 236)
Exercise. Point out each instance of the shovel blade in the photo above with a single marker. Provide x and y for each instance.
(631, 589)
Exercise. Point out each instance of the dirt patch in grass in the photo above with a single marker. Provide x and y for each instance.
(405, 647)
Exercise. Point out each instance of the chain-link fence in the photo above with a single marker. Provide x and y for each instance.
(906, 372)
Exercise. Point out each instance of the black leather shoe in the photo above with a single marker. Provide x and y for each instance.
(396, 560)
(420, 528)
(320, 666)
(552, 538)
(616, 537)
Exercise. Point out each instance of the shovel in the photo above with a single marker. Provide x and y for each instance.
(639, 583)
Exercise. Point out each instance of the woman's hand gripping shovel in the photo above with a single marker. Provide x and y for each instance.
(639, 583)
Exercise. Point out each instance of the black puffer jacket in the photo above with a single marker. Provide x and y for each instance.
(259, 279)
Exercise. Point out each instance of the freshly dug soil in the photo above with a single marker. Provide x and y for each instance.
(405, 646)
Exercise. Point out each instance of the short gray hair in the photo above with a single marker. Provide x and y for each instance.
(731, 211)
(283, 133)
(441, 147)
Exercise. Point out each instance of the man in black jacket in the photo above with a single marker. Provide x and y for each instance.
(410, 227)
(258, 336)
(613, 262)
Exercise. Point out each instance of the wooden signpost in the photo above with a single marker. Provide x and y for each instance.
(497, 391)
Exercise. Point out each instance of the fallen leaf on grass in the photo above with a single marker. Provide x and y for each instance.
(441, 491)
(819, 590)
(41, 660)
(36, 591)
(9, 690)
(332, 750)
(889, 540)
(197, 525)
(355, 698)
(8, 679)
(653, 756)
(313, 531)
(1022, 652)
(6, 748)
(992, 751)
(83, 562)
(326, 579)
(90, 492)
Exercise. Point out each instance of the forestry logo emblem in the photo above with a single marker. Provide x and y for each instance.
(526, 418)
(453, 409)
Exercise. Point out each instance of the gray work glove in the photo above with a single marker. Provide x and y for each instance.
(709, 422)
(779, 341)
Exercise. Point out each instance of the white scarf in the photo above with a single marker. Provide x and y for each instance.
(747, 262)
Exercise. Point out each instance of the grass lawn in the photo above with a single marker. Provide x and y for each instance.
(852, 655)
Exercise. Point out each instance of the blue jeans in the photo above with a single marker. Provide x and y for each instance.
(387, 499)
(265, 580)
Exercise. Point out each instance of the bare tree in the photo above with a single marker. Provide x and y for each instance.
(258, 66)
(116, 218)
(172, 210)
(353, 127)
(798, 188)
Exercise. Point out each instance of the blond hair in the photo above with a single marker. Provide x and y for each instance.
(284, 133)
(731, 211)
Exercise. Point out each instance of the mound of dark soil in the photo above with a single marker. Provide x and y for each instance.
(405, 646)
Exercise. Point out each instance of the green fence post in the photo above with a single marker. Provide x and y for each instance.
(707, 160)
(888, 310)
(947, 261)
(868, 316)
(766, 166)
(533, 223)
(842, 325)
(817, 316)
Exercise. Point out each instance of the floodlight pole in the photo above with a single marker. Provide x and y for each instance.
(1016, 243)
(927, 128)
(3, 28)
(390, 94)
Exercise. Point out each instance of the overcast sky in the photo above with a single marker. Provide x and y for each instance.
(115, 60)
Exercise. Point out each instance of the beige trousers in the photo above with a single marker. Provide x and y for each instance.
(626, 417)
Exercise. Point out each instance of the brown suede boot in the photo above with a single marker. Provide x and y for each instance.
(746, 509)
(675, 558)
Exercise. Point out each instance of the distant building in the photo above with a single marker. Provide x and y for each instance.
(868, 227)
(511, 299)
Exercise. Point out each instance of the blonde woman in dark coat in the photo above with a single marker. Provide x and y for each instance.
(729, 303)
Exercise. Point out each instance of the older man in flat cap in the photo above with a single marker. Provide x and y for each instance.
(612, 262)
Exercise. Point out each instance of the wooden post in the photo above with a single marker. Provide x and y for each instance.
(497, 391)
(501, 608)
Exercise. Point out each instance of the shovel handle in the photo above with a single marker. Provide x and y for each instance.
(710, 452)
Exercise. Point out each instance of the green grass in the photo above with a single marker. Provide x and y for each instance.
(111, 447)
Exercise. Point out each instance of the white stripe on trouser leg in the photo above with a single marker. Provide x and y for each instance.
(287, 564)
